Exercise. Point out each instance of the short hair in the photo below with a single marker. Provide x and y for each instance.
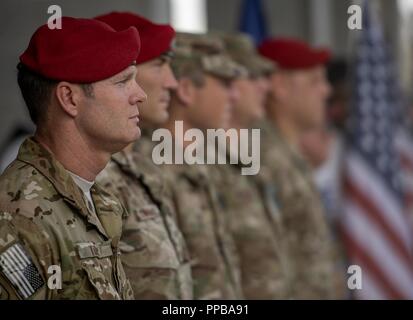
(189, 69)
(37, 92)
(337, 72)
(87, 89)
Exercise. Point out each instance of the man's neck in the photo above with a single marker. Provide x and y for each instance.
(170, 125)
(238, 123)
(129, 148)
(286, 126)
(75, 154)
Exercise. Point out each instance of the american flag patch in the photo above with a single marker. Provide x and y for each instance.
(19, 268)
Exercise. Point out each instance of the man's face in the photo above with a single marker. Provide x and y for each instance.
(213, 103)
(315, 145)
(110, 116)
(262, 85)
(157, 80)
(305, 95)
(252, 95)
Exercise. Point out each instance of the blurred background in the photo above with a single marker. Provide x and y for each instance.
(321, 22)
(368, 114)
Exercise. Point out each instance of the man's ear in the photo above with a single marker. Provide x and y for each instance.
(186, 91)
(69, 96)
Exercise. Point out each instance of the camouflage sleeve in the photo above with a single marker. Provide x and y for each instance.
(24, 255)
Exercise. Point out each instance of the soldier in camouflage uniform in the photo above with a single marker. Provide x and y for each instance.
(154, 253)
(201, 100)
(298, 93)
(262, 260)
(256, 230)
(215, 262)
(44, 218)
(59, 231)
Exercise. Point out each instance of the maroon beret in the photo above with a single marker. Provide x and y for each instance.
(82, 51)
(292, 53)
(155, 38)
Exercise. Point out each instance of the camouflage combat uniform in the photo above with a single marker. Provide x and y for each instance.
(154, 253)
(45, 224)
(257, 235)
(303, 218)
(215, 262)
(254, 217)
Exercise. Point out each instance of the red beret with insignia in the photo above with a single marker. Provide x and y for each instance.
(155, 38)
(82, 51)
(293, 54)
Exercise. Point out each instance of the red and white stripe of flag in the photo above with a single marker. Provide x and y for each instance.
(375, 233)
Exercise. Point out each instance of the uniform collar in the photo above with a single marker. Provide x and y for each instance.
(144, 145)
(197, 174)
(127, 164)
(44, 161)
(291, 151)
(135, 164)
(34, 154)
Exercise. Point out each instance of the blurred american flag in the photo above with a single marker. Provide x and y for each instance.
(374, 223)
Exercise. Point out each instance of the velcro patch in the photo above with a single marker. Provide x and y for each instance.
(17, 265)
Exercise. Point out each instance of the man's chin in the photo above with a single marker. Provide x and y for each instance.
(161, 119)
(133, 137)
(137, 135)
(259, 114)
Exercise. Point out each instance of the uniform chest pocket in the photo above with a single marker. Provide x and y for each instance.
(146, 241)
(95, 261)
(147, 212)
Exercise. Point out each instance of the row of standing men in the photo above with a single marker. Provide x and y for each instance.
(83, 195)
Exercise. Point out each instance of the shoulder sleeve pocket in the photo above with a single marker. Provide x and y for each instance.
(18, 268)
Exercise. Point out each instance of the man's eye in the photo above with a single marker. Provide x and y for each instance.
(162, 61)
(123, 81)
(226, 83)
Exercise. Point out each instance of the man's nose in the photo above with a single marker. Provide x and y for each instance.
(326, 89)
(264, 84)
(170, 80)
(139, 95)
(234, 93)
